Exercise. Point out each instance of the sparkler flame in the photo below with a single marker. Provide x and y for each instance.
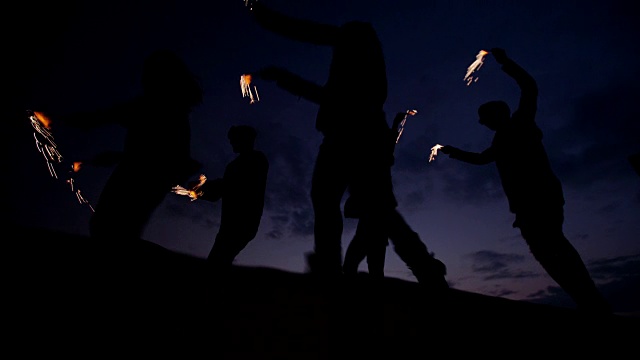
(44, 140)
(43, 119)
(474, 67)
(434, 152)
(194, 192)
(49, 150)
(245, 86)
(401, 127)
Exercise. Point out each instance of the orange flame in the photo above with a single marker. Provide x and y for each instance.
(44, 120)
(76, 166)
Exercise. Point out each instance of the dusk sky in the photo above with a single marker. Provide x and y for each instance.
(85, 55)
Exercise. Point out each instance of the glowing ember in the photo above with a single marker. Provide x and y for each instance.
(245, 86)
(193, 192)
(401, 130)
(434, 152)
(474, 67)
(76, 166)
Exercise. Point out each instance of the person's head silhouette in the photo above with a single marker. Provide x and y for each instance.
(358, 54)
(242, 138)
(167, 78)
(494, 114)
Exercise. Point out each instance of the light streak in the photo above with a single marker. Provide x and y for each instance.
(474, 67)
(44, 140)
(401, 127)
(193, 192)
(434, 152)
(49, 150)
(245, 87)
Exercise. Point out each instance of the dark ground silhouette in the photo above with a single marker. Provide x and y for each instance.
(65, 296)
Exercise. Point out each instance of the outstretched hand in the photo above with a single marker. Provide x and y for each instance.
(448, 149)
(500, 55)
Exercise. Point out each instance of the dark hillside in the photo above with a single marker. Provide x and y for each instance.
(69, 295)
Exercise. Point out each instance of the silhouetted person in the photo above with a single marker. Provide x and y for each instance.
(374, 231)
(156, 153)
(532, 189)
(350, 118)
(241, 191)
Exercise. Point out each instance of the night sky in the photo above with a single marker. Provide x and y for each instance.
(77, 56)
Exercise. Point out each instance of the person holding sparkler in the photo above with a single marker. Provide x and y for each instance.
(241, 190)
(533, 191)
(156, 153)
(369, 242)
(365, 242)
(354, 152)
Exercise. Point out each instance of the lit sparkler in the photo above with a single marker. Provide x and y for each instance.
(44, 140)
(193, 192)
(249, 3)
(245, 86)
(474, 67)
(434, 152)
(49, 150)
(404, 120)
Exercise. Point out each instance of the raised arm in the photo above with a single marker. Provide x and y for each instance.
(120, 113)
(528, 86)
(483, 158)
(293, 28)
(292, 83)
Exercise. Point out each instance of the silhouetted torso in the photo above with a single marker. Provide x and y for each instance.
(156, 151)
(242, 192)
(244, 185)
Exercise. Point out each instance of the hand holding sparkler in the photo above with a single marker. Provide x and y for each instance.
(500, 55)
(272, 73)
(474, 67)
(400, 120)
(434, 152)
(449, 150)
(245, 86)
(193, 191)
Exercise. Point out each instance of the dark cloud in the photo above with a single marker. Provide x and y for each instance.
(615, 268)
(203, 213)
(288, 203)
(501, 292)
(472, 184)
(599, 137)
(495, 266)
